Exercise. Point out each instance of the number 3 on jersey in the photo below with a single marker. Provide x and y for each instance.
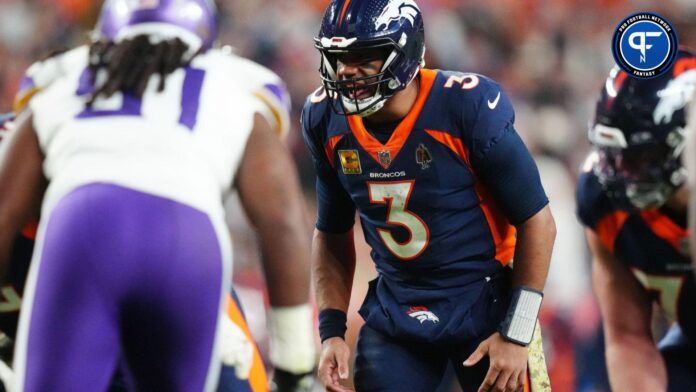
(395, 195)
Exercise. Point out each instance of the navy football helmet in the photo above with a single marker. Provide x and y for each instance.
(639, 134)
(391, 27)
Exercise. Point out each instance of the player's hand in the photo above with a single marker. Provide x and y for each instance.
(284, 381)
(508, 364)
(333, 364)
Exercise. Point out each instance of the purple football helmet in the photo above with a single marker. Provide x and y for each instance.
(193, 21)
(351, 27)
(639, 134)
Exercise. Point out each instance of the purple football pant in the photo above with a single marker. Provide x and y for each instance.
(123, 277)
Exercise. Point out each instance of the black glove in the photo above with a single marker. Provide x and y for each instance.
(284, 381)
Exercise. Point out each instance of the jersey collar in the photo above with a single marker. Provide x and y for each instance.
(385, 154)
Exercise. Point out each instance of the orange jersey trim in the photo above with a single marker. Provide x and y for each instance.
(665, 228)
(258, 380)
(502, 231)
(683, 65)
(609, 226)
(504, 234)
(331, 146)
(372, 146)
(452, 142)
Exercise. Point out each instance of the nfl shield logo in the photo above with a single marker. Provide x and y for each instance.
(384, 158)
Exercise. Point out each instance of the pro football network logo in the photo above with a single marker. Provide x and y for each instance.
(422, 314)
(645, 45)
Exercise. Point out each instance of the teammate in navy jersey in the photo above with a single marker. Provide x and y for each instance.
(447, 195)
(633, 200)
(691, 170)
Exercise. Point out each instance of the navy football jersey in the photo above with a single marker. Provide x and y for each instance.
(651, 243)
(439, 200)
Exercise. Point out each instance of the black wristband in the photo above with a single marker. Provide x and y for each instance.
(332, 323)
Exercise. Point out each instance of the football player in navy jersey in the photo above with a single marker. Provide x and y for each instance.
(632, 199)
(691, 169)
(447, 195)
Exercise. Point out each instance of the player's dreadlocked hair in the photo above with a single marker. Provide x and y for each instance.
(130, 64)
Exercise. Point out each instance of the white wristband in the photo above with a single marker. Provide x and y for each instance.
(292, 338)
(521, 319)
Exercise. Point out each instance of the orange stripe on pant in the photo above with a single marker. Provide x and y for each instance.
(258, 381)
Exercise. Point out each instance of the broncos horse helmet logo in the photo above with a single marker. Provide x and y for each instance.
(675, 96)
(422, 314)
(395, 10)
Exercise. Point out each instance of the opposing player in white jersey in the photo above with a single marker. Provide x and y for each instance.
(292, 341)
(138, 142)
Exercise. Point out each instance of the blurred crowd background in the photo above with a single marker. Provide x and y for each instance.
(551, 56)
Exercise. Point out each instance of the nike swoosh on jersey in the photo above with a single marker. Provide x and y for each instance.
(492, 105)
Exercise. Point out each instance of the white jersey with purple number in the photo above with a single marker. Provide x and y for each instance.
(132, 250)
(184, 143)
(249, 76)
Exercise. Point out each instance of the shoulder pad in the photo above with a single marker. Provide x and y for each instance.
(468, 92)
(316, 110)
(260, 81)
(592, 203)
(41, 74)
(466, 85)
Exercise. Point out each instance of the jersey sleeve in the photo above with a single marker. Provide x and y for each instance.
(500, 158)
(489, 116)
(509, 172)
(276, 98)
(335, 208)
(595, 209)
(591, 204)
(42, 73)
